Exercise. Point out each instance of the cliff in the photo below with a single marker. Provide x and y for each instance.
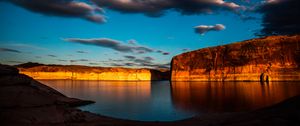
(76, 72)
(273, 58)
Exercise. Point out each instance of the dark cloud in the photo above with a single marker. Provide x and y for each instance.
(202, 29)
(112, 44)
(166, 53)
(149, 58)
(130, 57)
(61, 60)
(280, 17)
(9, 50)
(52, 55)
(81, 51)
(156, 8)
(79, 60)
(12, 61)
(94, 63)
(163, 52)
(132, 61)
(185, 49)
(62, 8)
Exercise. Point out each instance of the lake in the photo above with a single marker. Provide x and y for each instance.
(162, 101)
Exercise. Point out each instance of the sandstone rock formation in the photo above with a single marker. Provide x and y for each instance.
(273, 58)
(76, 72)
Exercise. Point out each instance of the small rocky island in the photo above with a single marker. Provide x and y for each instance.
(273, 58)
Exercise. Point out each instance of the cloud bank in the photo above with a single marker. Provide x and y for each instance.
(280, 17)
(202, 29)
(62, 8)
(156, 8)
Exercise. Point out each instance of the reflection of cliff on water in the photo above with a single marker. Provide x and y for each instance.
(229, 96)
(93, 90)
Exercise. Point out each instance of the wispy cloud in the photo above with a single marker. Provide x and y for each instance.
(9, 50)
(202, 29)
(22, 45)
(51, 55)
(112, 44)
(133, 61)
(79, 51)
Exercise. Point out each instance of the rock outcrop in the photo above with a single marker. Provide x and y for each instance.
(273, 58)
(75, 72)
(24, 101)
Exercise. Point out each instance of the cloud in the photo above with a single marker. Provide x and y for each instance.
(21, 45)
(280, 17)
(130, 57)
(163, 52)
(132, 42)
(202, 29)
(112, 44)
(52, 55)
(166, 53)
(61, 60)
(9, 50)
(133, 61)
(79, 60)
(81, 51)
(156, 8)
(94, 63)
(185, 49)
(62, 8)
(149, 58)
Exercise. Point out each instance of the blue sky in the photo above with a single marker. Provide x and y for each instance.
(36, 35)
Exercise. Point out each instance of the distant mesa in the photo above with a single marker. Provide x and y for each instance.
(77, 72)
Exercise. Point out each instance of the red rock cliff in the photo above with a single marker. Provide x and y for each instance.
(74, 72)
(273, 58)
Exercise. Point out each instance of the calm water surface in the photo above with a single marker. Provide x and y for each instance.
(162, 101)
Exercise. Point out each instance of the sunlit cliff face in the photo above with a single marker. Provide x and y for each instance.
(228, 97)
(276, 57)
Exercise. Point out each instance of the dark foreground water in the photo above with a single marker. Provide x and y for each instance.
(162, 101)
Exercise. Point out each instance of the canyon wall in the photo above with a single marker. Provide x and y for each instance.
(273, 58)
(92, 73)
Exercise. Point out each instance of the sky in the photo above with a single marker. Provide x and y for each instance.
(130, 33)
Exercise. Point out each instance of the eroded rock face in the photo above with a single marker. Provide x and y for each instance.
(274, 58)
(92, 73)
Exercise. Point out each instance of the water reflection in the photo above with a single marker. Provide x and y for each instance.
(162, 101)
(141, 100)
(203, 97)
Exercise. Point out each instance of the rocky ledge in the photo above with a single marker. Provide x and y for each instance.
(76, 72)
(273, 58)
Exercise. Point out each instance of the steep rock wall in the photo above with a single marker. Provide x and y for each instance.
(93, 73)
(273, 58)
